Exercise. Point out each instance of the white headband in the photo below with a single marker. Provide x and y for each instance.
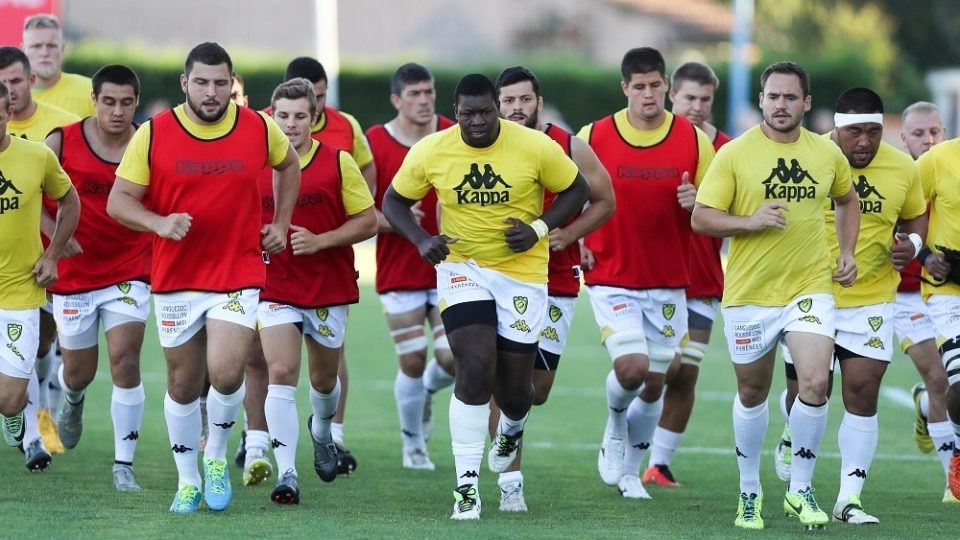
(844, 119)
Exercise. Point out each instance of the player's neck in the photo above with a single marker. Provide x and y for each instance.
(409, 132)
(26, 113)
(304, 147)
(644, 124)
(48, 82)
(108, 140)
(709, 130)
(788, 137)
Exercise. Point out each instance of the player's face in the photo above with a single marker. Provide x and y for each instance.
(860, 142)
(320, 89)
(295, 119)
(782, 102)
(519, 103)
(921, 131)
(18, 82)
(44, 48)
(693, 101)
(478, 120)
(236, 94)
(116, 104)
(208, 90)
(646, 93)
(417, 102)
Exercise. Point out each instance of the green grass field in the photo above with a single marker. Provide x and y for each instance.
(75, 496)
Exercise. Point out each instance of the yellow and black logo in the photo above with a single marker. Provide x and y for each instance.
(669, 310)
(11, 201)
(875, 342)
(875, 322)
(14, 331)
(786, 183)
(555, 313)
(124, 287)
(520, 304)
(550, 333)
(129, 301)
(810, 319)
(871, 201)
(521, 325)
(234, 295)
(324, 330)
(484, 188)
(805, 305)
(668, 331)
(323, 313)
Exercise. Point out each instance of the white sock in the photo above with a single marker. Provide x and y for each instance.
(749, 428)
(324, 408)
(54, 388)
(258, 440)
(126, 410)
(510, 427)
(665, 444)
(925, 404)
(807, 424)
(31, 429)
(222, 412)
(336, 431)
(942, 435)
(468, 432)
(435, 378)
(74, 397)
(642, 418)
(410, 396)
(509, 477)
(618, 400)
(280, 408)
(783, 407)
(183, 427)
(857, 440)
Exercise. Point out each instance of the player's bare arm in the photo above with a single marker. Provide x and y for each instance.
(848, 227)
(286, 187)
(715, 222)
(522, 236)
(68, 215)
(358, 227)
(903, 249)
(54, 141)
(125, 204)
(398, 211)
(602, 201)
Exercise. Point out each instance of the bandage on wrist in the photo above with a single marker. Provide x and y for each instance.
(917, 243)
(540, 228)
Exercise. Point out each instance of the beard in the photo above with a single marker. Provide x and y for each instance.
(197, 108)
(784, 128)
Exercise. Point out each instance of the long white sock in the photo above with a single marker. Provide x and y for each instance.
(618, 400)
(258, 440)
(468, 431)
(807, 424)
(336, 430)
(221, 416)
(749, 428)
(642, 418)
(31, 429)
(324, 408)
(183, 428)
(665, 444)
(857, 439)
(410, 396)
(508, 426)
(280, 408)
(435, 378)
(942, 435)
(126, 410)
(72, 396)
(925, 404)
(54, 388)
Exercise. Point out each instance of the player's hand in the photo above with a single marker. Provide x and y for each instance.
(902, 251)
(45, 271)
(769, 215)
(173, 227)
(273, 238)
(587, 260)
(559, 239)
(72, 249)
(686, 193)
(417, 210)
(937, 265)
(305, 242)
(846, 272)
(520, 236)
(434, 249)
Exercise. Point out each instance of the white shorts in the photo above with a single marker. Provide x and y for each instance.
(705, 306)
(21, 337)
(325, 325)
(78, 315)
(866, 330)
(910, 320)
(397, 302)
(556, 327)
(180, 315)
(661, 314)
(521, 306)
(751, 331)
(944, 309)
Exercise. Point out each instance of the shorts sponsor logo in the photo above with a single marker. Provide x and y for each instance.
(323, 313)
(13, 348)
(748, 337)
(875, 322)
(521, 325)
(875, 343)
(813, 319)
(550, 333)
(71, 311)
(168, 323)
(620, 307)
(917, 316)
(555, 313)
(14, 331)
(805, 305)
(173, 317)
(668, 331)
(520, 304)
(669, 310)
(458, 279)
(124, 287)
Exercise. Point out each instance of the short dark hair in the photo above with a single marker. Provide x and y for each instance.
(517, 74)
(11, 55)
(787, 68)
(695, 72)
(298, 88)
(859, 101)
(239, 78)
(4, 93)
(408, 74)
(118, 74)
(209, 53)
(475, 84)
(309, 68)
(642, 60)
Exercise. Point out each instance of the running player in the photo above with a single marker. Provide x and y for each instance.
(655, 158)
(107, 280)
(43, 43)
(518, 91)
(489, 175)
(406, 284)
(199, 164)
(767, 190)
(309, 286)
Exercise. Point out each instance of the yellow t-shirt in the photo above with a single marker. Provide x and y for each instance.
(44, 120)
(353, 189)
(27, 169)
(772, 267)
(479, 188)
(645, 138)
(889, 190)
(135, 165)
(361, 150)
(940, 177)
(72, 93)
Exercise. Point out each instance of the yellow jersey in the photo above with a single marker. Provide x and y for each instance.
(940, 177)
(772, 267)
(479, 188)
(27, 170)
(889, 190)
(72, 93)
(43, 120)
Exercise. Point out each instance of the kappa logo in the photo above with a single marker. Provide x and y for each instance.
(865, 189)
(521, 325)
(788, 185)
(14, 331)
(13, 348)
(520, 304)
(555, 313)
(6, 185)
(132, 436)
(407, 433)
(180, 449)
(946, 447)
(470, 474)
(642, 446)
(482, 187)
(875, 322)
(805, 305)
(276, 444)
(740, 454)
(859, 473)
(124, 287)
(235, 306)
(129, 301)
(669, 310)
(875, 343)
(12, 201)
(668, 331)
(323, 313)
(804, 453)
(810, 319)
(550, 333)
(225, 425)
(325, 331)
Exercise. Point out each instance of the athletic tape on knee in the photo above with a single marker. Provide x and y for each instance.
(411, 345)
(950, 352)
(660, 357)
(692, 352)
(441, 342)
(626, 342)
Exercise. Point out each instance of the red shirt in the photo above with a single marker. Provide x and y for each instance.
(399, 265)
(563, 270)
(112, 253)
(644, 244)
(706, 272)
(215, 181)
(336, 131)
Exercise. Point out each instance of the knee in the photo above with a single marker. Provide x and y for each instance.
(281, 373)
(323, 383)
(630, 373)
(412, 364)
(11, 405)
(815, 387)
(751, 395)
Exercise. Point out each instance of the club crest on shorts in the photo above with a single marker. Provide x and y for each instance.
(234, 295)
(875, 322)
(124, 287)
(14, 331)
(669, 310)
(520, 304)
(805, 304)
(323, 313)
(555, 313)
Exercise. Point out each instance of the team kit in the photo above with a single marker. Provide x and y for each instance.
(239, 224)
